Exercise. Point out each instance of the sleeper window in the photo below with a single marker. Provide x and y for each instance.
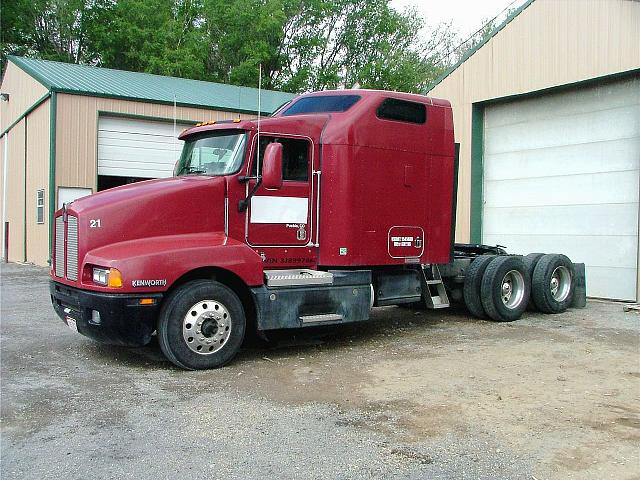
(402, 110)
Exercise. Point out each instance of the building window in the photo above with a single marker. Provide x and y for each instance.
(394, 109)
(40, 206)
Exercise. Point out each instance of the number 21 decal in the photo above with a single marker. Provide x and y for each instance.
(94, 223)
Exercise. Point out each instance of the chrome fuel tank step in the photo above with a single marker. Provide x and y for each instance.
(297, 277)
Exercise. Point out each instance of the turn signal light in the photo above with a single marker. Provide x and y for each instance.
(115, 278)
(147, 301)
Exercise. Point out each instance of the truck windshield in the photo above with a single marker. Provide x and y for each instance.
(216, 153)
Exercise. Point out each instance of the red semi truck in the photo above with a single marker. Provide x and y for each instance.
(340, 202)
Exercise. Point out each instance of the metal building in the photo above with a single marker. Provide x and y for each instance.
(71, 130)
(547, 114)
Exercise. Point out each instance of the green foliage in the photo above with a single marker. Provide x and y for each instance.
(301, 44)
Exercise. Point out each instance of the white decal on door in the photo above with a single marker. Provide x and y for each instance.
(279, 209)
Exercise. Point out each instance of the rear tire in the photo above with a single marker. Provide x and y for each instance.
(201, 325)
(472, 284)
(505, 288)
(553, 283)
(530, 261)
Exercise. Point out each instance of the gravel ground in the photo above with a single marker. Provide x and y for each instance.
(412, 395)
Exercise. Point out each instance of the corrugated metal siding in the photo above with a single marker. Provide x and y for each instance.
(551, 43)
(77, 132)
(23, 92)
(15, 192)
(37, 179)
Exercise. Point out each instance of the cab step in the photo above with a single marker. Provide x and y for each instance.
(325, 317)
(297, 277)
(433, 290)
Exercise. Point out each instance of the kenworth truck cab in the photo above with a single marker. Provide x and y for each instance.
(339, 202)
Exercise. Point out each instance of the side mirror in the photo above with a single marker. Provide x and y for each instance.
(272, 166)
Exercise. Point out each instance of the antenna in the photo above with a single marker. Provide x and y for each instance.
(259, 107)
(174, 127)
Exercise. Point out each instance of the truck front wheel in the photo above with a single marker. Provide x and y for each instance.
(201, 325)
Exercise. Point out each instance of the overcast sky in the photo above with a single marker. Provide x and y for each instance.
(467, 15)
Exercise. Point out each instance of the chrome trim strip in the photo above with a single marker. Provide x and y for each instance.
(58, 256)
(72, 248)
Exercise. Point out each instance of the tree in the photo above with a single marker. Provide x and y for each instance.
(51, 29)
(301, 44)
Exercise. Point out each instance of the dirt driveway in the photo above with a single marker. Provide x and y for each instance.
(409, 395)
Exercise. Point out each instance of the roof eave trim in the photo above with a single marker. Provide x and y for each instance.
(159, 102)
(473, 50)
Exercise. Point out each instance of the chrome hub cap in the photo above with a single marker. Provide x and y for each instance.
(512, 289)
(560, 284)
(206, 327)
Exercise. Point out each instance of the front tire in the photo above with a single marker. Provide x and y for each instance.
(201, 325)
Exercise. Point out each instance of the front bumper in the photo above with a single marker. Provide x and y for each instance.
(123, 321)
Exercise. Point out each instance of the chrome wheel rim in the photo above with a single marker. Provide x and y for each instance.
(206, 327)
(560, 283)
(512, 289)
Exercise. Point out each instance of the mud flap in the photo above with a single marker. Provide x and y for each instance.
(580, 287)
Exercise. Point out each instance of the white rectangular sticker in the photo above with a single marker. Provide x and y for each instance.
(279, 209)
(71, 323)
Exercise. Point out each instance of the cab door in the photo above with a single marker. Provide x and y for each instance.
(283, 217)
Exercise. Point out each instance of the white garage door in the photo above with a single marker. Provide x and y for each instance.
(561, 176)
(137, 148)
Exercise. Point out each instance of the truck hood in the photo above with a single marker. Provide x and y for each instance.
(172, 206)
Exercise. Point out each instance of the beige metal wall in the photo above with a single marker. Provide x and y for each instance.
(28, 141)
(551, 43)
(23, 92)
(15, 192)
(37, 150)
(77, 132)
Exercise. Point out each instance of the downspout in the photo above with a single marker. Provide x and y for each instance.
(52, 165)
(5, 171)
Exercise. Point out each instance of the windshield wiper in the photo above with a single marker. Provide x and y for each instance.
(191, 169)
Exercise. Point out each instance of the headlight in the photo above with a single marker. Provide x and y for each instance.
(107, 277)
(100, 276)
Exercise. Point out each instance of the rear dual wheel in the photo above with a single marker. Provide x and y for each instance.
(497, 287)
(553, 283)
(473, 282)
(505, 289)
(501, 287)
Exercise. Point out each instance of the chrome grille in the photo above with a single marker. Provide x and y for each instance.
(72, 248)
(59, 253)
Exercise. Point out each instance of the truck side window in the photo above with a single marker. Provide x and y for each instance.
(295, 158)
(402, 110)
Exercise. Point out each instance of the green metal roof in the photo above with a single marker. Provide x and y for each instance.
(106, 82)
